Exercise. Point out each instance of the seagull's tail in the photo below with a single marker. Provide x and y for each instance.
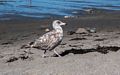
(29, 45)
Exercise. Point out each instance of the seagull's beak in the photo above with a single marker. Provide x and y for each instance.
(63, 23)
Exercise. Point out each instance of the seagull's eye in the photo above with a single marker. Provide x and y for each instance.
(58, 22)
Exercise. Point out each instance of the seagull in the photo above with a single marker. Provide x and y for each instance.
(50, 40)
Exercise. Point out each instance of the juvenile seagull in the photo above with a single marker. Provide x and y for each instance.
(51, 39)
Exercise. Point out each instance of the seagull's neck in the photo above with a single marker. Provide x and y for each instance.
(58, 28)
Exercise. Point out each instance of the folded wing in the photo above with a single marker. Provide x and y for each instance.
(48, 41)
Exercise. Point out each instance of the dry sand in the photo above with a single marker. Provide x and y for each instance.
(83, 54)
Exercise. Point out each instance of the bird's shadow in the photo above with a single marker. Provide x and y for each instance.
(103, 50)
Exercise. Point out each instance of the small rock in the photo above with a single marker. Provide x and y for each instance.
(47, 30)
(81, 31)
(91, 30)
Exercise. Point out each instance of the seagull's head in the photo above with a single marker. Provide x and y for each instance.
(58, 23)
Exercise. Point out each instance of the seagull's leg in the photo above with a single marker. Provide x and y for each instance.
(44, 54)
(57, 53)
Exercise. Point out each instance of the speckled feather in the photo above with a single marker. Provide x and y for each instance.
(48, 41)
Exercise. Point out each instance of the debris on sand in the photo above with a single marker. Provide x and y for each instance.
(15, 57)
(75, 45)
(11, 59)
(23, 57)
(24, 46)
(78, 39)
(96, 36)
(27, 45)
(6, 43)
(106, 49)
(100, 39)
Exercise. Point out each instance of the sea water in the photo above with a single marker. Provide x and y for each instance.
(49, 8)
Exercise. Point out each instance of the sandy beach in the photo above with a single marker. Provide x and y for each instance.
(94, 53)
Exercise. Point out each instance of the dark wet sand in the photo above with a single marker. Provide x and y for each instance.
(97, 54)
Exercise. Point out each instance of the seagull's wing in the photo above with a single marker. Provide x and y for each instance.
(48, 41)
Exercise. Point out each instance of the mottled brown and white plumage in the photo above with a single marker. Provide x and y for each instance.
(51, 39)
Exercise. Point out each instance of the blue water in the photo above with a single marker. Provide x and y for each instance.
(48, 8)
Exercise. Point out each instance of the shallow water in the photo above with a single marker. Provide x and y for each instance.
(48, 8)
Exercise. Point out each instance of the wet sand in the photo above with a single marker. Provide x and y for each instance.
(82, 54)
